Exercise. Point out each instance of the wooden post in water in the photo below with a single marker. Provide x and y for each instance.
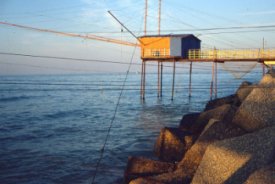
(190, 79)
(161, 72)
(263, 66)
(141, 79)
(216, 79)
(158, 79)
(144, 80)
(212, 80)
(173, 83)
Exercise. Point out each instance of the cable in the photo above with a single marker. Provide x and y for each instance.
(45, 67)
(199, 67)
(62, 58)
(113, 118)
(72, 59)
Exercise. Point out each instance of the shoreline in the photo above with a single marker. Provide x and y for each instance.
(231, 141)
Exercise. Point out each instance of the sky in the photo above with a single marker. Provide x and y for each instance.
(90, 17)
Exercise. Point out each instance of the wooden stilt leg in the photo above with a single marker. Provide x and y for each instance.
(144, 80)
(161, 75)
(212, 80)
(216, 79)
(190, 79)
(158, 79)
(173, 83)
(141, 80)
(263, 66)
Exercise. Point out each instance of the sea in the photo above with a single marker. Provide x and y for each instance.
(53, 127)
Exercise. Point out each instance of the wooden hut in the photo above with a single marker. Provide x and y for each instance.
(172, 46)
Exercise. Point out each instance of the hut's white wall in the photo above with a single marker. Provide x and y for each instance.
(175, 46)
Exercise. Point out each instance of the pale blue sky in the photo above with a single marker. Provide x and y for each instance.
(90, 16)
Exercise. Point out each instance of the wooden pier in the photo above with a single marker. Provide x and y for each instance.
(264, 56)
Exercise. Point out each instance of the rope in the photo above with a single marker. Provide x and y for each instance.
(113, 118)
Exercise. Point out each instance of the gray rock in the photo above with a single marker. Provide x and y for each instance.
(271, 71)
(263, 175)
(215, 130)
(222, 113)
(212, 104)
(172, 144)
(140, 167)
(176, 177)
(243, 91)
(257, 111)
(188, 121)
(233, 160)
(144, 181)
(268, 81)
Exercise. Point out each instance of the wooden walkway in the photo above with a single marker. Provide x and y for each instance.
(264, 56)
(219, 55)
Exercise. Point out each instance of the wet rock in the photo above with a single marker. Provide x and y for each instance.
(243, 91)
(233, 160)
(257, 111)
(263, 175)
(140, 167)
(212, 104)
(222, 113)
(188, 120)
(172, 144)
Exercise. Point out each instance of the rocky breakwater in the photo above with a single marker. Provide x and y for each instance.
(231, 141)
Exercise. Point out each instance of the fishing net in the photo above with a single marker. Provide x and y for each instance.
(238, 69)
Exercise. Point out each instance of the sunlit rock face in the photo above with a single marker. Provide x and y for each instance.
(243, 91)
(233, 160)
(172, 144)
(214, 131)
(268, 80)
(222, 113)
(257, 111)
(140, 167)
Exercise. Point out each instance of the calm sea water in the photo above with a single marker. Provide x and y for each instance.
(52, 128)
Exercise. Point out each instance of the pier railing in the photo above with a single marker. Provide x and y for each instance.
(215, 54)
(156, 53)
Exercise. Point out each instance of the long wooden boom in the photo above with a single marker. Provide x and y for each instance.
(90, 37)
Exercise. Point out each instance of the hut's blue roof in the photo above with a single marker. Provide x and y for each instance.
(170, 35)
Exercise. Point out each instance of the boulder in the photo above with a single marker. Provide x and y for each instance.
(144, 181)
(271, 71)
(233, 160)
(243, 91)
(215, 130)
(172, 144)
(268, 81)
(257, 111)
(176, 177)
(188, 120)
(263, 175)
(223, 113)
(212, 104)
(140, 167)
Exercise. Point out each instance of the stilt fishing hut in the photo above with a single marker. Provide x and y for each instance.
(165, 48)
